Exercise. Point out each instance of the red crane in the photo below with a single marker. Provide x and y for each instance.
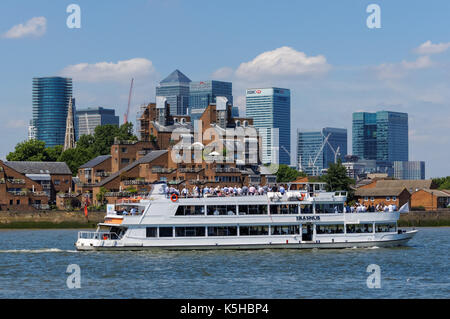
(125, 117)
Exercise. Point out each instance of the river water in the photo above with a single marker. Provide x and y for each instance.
(33, 264)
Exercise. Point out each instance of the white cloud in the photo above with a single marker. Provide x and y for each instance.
(34, 27)
(400, 70)
(430, 48)
(421, 63)
(122, 71)
(223, 73)
(282, 62)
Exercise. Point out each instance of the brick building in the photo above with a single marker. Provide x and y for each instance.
(430, 199)
(19, 192)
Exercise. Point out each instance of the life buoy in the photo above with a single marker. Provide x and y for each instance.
(174, 197)
(105, 237)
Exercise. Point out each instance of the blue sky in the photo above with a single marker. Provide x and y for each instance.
(321, 50)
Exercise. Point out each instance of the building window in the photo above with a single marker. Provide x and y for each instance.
(124, 150)
(388, 199)
(285, 230)
(18, 202)
(366, 198)
(394, 198)
(151, 231)
(330, 229)
(57, 182)
(253, 230)
(372, 199)
(222, 231)
(165, 232)
(189, 231)
(124, 160)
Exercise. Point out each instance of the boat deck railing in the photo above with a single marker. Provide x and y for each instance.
(97, 235)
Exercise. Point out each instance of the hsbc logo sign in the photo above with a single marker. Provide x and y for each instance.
(254, 91)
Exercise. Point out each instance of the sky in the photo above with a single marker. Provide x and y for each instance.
(323, 51)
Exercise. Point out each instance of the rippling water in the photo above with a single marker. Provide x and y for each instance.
(33, 264)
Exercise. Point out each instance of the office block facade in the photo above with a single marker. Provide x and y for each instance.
(316, 150)
(409, 170)
(270, 109)
(381, 136)
(203, 93)
(50, 103)
(175, 88)
(87, 119)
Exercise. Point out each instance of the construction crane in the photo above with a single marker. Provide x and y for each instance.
(336, 151)
(125, 117)
(312, 163)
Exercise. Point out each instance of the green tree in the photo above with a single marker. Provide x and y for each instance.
(287, 174)
(32, 150)
(442, 182)
(75, 157)
(337, 179)
(101, 195)
(53, 153)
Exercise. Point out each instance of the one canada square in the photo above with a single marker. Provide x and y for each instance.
(270, 109)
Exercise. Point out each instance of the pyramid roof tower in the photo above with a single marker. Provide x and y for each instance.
(176, 77)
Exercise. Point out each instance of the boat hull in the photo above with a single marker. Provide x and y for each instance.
(392, 241)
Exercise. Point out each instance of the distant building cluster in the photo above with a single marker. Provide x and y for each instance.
(380, 145)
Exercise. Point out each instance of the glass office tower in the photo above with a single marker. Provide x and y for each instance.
(87, 119)
(175, 88)
(270, 109)
(50, 103)
(314, 153)
(381, 136)
(409, 170)
(203, 93)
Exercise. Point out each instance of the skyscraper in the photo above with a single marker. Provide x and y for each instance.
(175, 88)
(203, 93)
(50, 103)
(381, 136)
(316, 150)
(87, 119)
(270, 109)
(409, 170)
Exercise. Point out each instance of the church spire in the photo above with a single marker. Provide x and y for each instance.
(69, 140)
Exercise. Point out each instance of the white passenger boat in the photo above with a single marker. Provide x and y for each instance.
(306, 218)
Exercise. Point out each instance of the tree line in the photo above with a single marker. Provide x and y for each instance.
(87, 147)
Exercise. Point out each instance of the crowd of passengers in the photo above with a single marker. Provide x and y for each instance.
(224, 191)
(360, 208)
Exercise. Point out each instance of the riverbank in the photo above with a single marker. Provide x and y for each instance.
(425, 219)
(49, 219)
(63, 219)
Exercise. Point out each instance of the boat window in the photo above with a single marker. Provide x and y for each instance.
(283, 209)
(221, 210)
(189, 231)
(253, 230)
(285, 230)
(151, 232)
(329, 208)
(252, 209)
(359, 228)
(165, 232)
(306, 209)
(190, 210)
(222, 231)
(384, 228)
(330, 229)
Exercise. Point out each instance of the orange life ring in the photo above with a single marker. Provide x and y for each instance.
(174, 197)
(105, 237)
